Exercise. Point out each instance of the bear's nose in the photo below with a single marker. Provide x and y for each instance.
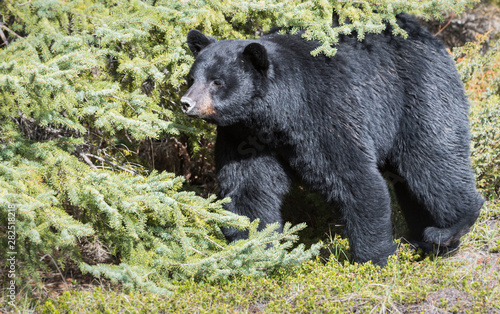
(187, 104)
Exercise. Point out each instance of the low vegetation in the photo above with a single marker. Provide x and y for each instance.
(464, 283)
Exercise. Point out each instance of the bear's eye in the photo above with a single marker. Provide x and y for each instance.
(218, 82)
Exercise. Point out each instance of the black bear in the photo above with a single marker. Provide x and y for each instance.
(383, 105)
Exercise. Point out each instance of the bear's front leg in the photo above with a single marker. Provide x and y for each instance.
(253, 178)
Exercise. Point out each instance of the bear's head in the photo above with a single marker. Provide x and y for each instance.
(225, 79)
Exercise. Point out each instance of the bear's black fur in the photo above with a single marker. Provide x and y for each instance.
(385, 105)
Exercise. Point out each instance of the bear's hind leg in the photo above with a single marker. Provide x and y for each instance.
(418, 220)
(439, 201)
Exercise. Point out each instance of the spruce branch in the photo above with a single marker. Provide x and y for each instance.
(10, 31)
(111, 163)
(87, 160)
(358, 2)
(3, 37)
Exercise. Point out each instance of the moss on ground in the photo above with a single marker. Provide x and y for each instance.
(466, 282)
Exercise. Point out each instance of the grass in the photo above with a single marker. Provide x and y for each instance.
(467, 282)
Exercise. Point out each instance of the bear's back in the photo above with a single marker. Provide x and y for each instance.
(293, 46)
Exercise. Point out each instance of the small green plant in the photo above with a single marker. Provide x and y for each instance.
(481, 76)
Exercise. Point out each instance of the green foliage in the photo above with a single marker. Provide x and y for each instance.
(159, 233)
(481, 76)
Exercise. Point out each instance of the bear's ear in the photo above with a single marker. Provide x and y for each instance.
(197, 41)
(257, 54)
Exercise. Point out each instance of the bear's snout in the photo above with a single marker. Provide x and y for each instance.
(197, 102)
(187, 103)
